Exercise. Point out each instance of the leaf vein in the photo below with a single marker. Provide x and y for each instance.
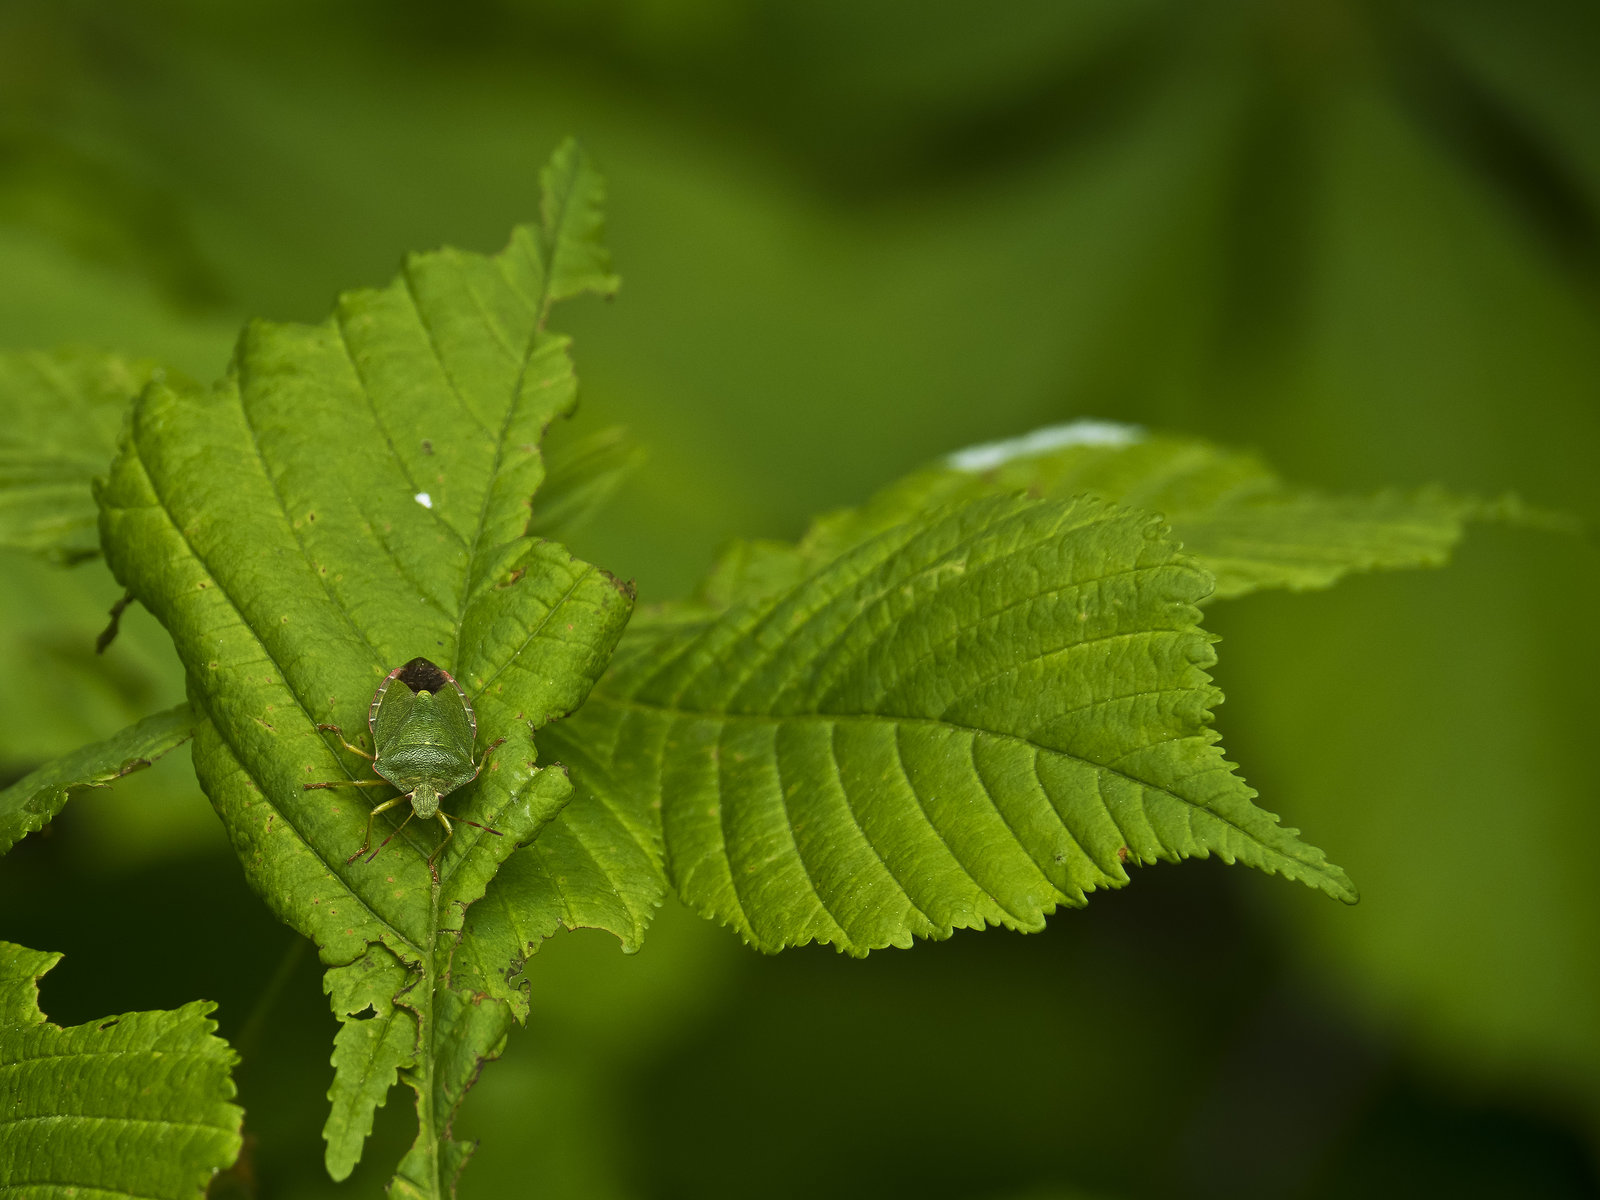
(855, 817)
(794, 842)
(922, 808)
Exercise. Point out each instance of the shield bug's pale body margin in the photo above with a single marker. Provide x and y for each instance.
(423, 731)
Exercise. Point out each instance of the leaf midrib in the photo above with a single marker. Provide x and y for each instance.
(41, 1118)
(1036, 747)
(201, 1055)
(541, 309)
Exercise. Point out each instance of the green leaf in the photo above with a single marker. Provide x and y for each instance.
(350, 496)
(136, 1106)
(1228, 509)
(33, 801)
(967, 720)
(62, 412)
(597, 866)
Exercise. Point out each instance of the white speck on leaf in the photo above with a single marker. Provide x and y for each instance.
(423, 499)
(1052, 437)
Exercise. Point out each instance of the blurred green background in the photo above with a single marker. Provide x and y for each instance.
(1363, 238)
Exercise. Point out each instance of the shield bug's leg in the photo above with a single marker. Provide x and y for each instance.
(348, 783)
(345, 744)
(493, 746)
(390, 838)
(448, 834)
(366, 839)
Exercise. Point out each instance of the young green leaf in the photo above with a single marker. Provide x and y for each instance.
(132, 1106)
(583, 474)
(969, 719)
(353, 495)
(1244, 524)
(62, 412)
(33, 801)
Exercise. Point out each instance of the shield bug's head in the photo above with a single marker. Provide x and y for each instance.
(420, 675)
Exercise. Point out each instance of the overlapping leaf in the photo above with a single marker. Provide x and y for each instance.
(62, 412)
(1228, 509)
(34, 800)
(352, 495)
(136, 1107)
(968, 719)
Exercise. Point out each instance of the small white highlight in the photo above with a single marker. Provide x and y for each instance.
(1041, 441)
(423, 499)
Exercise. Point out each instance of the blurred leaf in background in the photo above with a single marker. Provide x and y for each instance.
(1360, 238)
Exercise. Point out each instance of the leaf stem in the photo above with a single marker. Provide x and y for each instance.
(421, 1173)
(427, 1123)
(250, 1035)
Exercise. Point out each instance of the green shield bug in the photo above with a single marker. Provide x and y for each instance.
(423, 732)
